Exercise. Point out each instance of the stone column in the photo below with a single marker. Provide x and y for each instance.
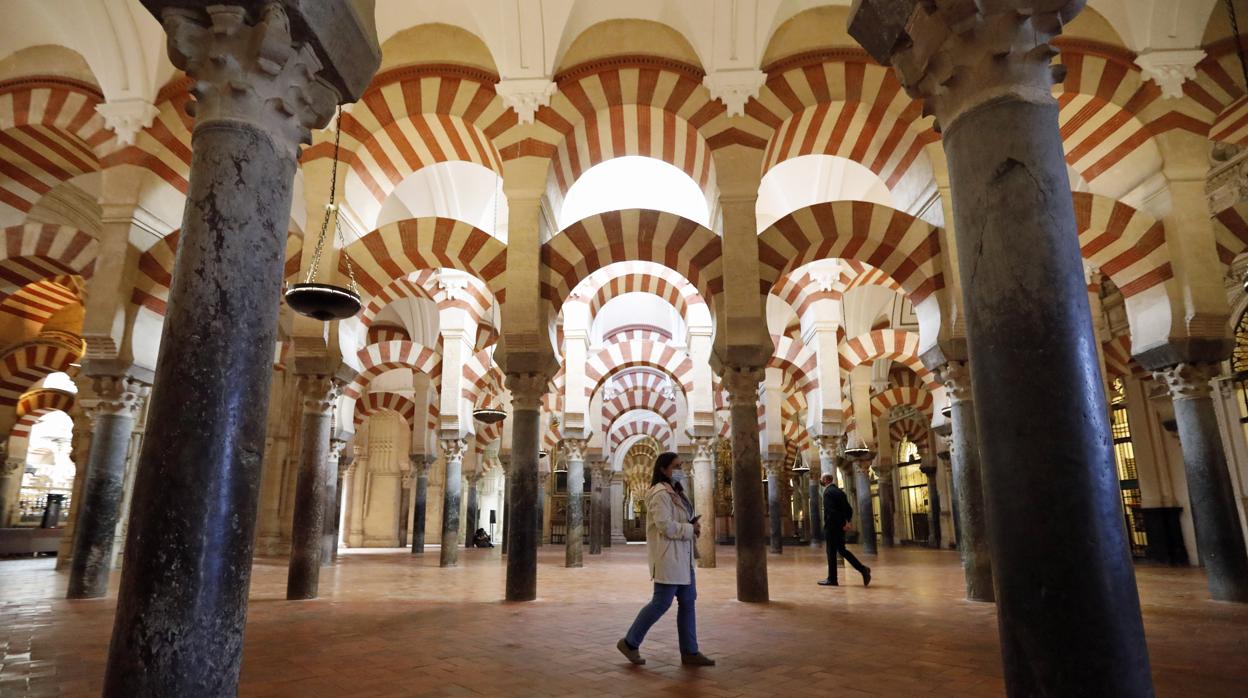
(11, 473)
(357, 476)
(967, 483)
(317, 394)
(543, 488)
(704, 491)
(452, 493)
(341, 495)
(747, 483)
(574, 449)
(112, 421)
(1064, 581)
(884, 469)
(933, 505)
(333, 502)
(597, 471)
(258, 89)
(775, 471)
(866, 518)
(420, 469)
(472, 507)
(851, 490)
(407, 482)
(81, 456)
(524, 523)
(617, 510)
(1219, 538)
(506, 461)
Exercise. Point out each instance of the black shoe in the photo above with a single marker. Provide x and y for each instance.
(866, 577)
(633, 655)
(828, 583)
(697, 659)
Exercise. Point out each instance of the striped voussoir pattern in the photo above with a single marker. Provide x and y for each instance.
(897, 345)
(413, 117)
(908, 392)
(395, 250)
(654, 429)
(798, 362)
(899, 245)
(663, 238)
(801, 288)
(1231, 125)
(29, 362)
(164, 148)
(376, 359)
(373, 403)
(1126, 244)
(913, 428)
(482, 379)
(637, 331)
(638, 400)
(1118, 360)
(50, 133)
(1230, 232)
(485, 435)
(613, 358)
(618, 279)
(36, 403)
(33, 252)
(385, 332)
(155, 275)
(39, 301)
(473, 297)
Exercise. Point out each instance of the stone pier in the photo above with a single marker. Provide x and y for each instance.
(317, 395)
(747, 483)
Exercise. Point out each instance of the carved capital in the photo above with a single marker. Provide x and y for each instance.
(957, 55)
(829, 447)
(774, 467)
(703, 448)
(453, 449)
(734, 87)
(574, 449)
(11, 466)
(318, 393)
(126, 117)
(1170, 68)
(250, 71)
(863, 467)
(525, 95)
(1188, 381)
(956, 377)
(742, 383)
(527, 390)
(419, 463)
(118, 395)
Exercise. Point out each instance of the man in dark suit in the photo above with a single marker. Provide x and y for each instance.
(836, 515)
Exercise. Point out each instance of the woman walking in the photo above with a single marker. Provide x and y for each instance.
(671, 529)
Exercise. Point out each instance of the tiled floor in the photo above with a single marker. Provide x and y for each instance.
(390, 624)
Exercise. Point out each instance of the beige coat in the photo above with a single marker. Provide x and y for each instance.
(669, 536)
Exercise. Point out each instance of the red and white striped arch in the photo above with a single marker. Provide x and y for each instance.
(1231, 124)
(615, 280)
(395, 250)
(628, 401)
(899, 245)
(588, 245)
(897, 345)
(913, 428)
(482, 379)
(654, 429)
(801, 288)
(1230, 232)
(1126, 244)
(373, 403)
(614, 358)
(49, 134)
(410, 118)
(39, 301)
(387, 333)
(376, 359)
(1118, 360)
(487, 434)
(904, 388)
(798, 362)
(36, 403)
(33, 252)
(155, 270)
(164, 148)
(637, 331)
(27, 364)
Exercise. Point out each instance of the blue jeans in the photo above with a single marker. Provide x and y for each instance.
(686, 627)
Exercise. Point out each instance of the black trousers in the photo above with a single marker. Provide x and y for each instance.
(835, 543)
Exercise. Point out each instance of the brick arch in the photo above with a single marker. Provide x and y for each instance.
(631, 400)
(164, 148)
(28, 363)
(1230, 232)
(475, 298)
(899, 245)
(655, 430)
(615, 280)
(1126, 244)
(376, 359)
(588, 245)
(913, 428)
(38, 301)
(897, 345)
(155, 270)
(482, 378)
(373, 403)
(895, 396)
(799, 363)
(622, 355)
(397, 249)
(50, 133)
(34, 251)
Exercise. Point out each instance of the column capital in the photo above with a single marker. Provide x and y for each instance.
(250, 69)
(828, 445)
(419, 462)
(574, 449)
(774, 466)
(543, 476)
(118, 395)
(956, 377)
(318, 393)
(862, 466)
(527, 389)
(11, 465)
(1188, 381)
(703, 447)
(957, 55)
(453, 449)
(742, 383)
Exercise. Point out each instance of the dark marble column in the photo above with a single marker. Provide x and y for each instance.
(506, 461)
(775, 470)
(1219, 538)
(851, 491)
(333, 501)
(472, 507)
(182, 606)
(120, 399)
(420, 490)
(1064, 580)
(747, 484)
(866, 517)
(596, 472)
(933, 504)
(543, 488)
(967, 482)
(884, 470)
(524, 523)
(452, 493)
(574, 451)
(317, 395)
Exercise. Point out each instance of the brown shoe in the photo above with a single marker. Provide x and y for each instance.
(633, 655)
(698, 659)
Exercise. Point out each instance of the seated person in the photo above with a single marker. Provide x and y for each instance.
(481, 539)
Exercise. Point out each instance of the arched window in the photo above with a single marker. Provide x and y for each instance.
(1124, 457)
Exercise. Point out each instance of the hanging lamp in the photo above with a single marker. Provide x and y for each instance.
(325, 302)
(489, 415)
(857, 450)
